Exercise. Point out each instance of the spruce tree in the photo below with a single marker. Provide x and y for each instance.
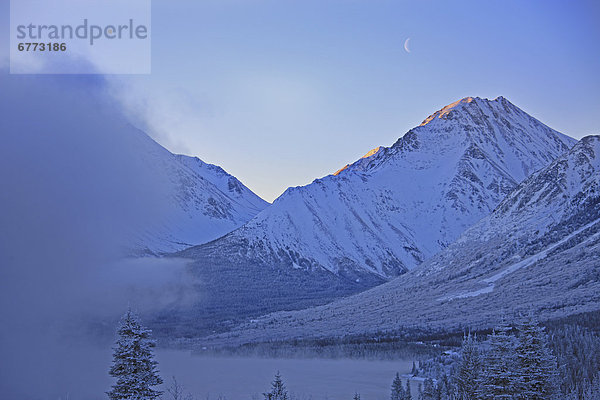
(592, 391)
(356, 396)
(428, 392)
(278, 391)
(536, 366)
(407, 393)
(469, 368)
(397, 389)
(498, 380)
(133, 362)
(445, 389)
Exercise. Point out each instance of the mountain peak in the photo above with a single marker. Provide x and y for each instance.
(428, 187)
(446, 110)
(491, 128)
(484, 103)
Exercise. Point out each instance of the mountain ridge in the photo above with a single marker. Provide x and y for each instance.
(524, 258)
(380, 217)
(208, 201)
(312, 226)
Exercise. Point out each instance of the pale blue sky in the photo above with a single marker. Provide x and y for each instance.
(282, 92)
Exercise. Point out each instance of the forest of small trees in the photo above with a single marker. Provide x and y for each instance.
(520, 363)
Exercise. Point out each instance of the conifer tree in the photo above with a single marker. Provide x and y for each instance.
(592, 390)
(469, 368)
(536, 366)
(445, 390)
(397, 389)
(278, 390)
(428, 392)
(133, 362)
(407, 393)
(498, 380)
(356, 396)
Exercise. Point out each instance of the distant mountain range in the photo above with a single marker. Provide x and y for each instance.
(538, 252)
(376, 218)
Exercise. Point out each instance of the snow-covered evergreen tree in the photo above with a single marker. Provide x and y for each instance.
(445, 389)
(397, 389)
(591, 391)
(469, 368)
(278, 390)
(133, 362)
(428, 392)
(585, 391)
(356, 396)
(536, 368)
(407, 392)
(498, 380)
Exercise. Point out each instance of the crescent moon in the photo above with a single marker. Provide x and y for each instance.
(406, 42)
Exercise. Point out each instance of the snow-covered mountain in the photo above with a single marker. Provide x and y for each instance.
(204, 202)
(399, 205)
(538, 252)
(81, 155)
(375, 219)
